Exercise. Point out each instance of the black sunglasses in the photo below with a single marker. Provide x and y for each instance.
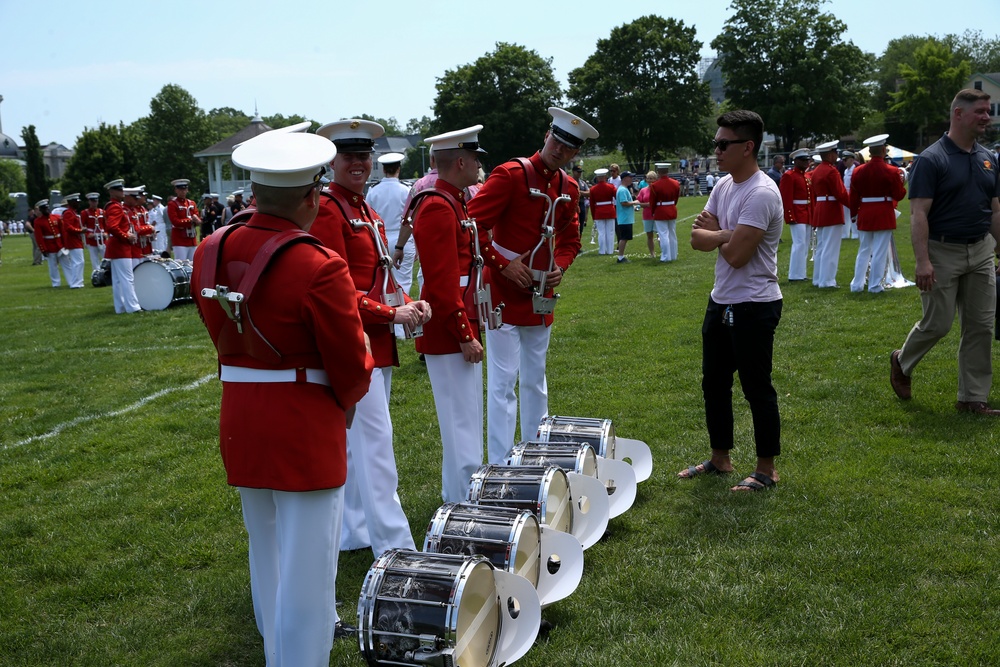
(723, 144)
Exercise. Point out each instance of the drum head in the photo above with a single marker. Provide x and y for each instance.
(557, 512)
(154, 286)
(527, 558)
(478, 626)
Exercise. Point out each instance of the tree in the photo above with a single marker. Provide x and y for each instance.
(653, 104)
(983, 53)
(36, 185)
(507, 91)
(97, 159)
(279, 120)
(174, 131)
(786, 60)
(929, 86)
(11, 180)
(421, 126)
(225, 122)
(390, 124)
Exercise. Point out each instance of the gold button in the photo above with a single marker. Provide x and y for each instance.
(378, 307)
(463, 326)
(364, 302)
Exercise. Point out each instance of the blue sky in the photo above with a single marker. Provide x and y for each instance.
(88, 62)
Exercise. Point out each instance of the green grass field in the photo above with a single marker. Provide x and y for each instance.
(120, 543)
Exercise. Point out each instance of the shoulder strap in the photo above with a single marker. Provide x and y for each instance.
(428, 192)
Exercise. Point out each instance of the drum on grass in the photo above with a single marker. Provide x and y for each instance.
(543, 491)
(160, 283)
(444, 609)
(101, 276)
(598, 433)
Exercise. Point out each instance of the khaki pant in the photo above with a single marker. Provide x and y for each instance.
(966, 281)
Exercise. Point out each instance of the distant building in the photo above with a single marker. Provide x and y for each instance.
(711, 73)
(223, 176)
(988, 83)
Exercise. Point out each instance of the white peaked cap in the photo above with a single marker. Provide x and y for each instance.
(285, 160)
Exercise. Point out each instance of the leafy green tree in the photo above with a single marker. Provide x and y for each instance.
(390, 124)
(174, 131)
(507, 91)
(983, 52)
(225, 122)
(929, 86)
(420, 126)
(279, 120)
(97, 159)
(641, 89)
(36, 185)
(11, 180)
(786, 60)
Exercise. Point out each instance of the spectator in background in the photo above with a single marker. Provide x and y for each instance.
(777, 169)
(584, 196)
(615, 178)
(647, 213)
(625, 210)
(850, 227)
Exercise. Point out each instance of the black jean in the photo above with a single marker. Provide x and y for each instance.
(745, 346)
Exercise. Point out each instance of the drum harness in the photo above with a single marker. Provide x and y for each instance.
(541, 304)
(482, 299)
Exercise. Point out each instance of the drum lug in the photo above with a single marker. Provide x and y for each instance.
(425, 656)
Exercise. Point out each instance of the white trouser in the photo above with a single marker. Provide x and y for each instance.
(667, 229)
(96, 255)
(184, 252)
(123, 286)
(850, 228)
(74, 268)
(458, 399)
(404, 274)
(827, 256)
(515, 355)
(373, 514)
(159, 242)
(605, 236)
(56, 260)
(293, 572)
(800, 251)
(873, 249)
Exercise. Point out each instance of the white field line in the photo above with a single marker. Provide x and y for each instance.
(129, 408)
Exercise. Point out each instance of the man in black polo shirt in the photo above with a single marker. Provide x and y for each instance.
(955, 222)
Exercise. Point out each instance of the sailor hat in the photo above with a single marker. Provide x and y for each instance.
(214, 195)
(817, 158)
(352, 135)
(73, 197)
(600, 172)
(570, 129)
(117, 184)
(285, 160)
(801, 153)
(391, 158)
(827, 147)
(157, 197)
(136, 191)
(93, 195)
(237, 193)
(877, 140)
(846, 154)
(180, 182)
(41, 202)
(660, 166)
(466, 138)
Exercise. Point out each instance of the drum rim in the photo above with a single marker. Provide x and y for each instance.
(580, 456)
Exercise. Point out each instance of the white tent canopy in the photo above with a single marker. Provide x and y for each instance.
(891, 152)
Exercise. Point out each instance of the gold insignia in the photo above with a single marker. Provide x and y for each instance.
(987, 165)
(355, 124)
(575, 121)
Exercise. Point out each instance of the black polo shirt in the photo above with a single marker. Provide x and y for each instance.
(962, 186)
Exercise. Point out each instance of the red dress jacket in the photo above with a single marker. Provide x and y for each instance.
(795, 196)
(48, 233)
(289, 436)
(829, 196)
(663, 195)
(602, 201)
(440, 237)
(357, 247)
(118, 224)
(72, 230)
(93, 223)
(876, 180)
(504, 208)
(183, 230)
(140, 222)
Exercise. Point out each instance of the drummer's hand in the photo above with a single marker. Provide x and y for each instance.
(517, 272)
(132, 238)
(397, 258)
(409, 314)
(424, 308)
(472, 351)
(368, 343)
(553, 278)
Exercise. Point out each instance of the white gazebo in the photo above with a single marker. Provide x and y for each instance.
(219, 155)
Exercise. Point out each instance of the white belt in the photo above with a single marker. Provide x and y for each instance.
(507, 254)
(800, 202)
(826, 198)
(463, 281)
(603, 203)
(243, 374)
(665, 203)
(870, 200)
(49, 237)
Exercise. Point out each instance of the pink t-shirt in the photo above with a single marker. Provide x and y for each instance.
(647, 212)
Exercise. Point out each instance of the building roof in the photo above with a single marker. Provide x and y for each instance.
(226, 146)
(8, 147)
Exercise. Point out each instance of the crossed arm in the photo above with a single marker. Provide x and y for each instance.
(735, 246)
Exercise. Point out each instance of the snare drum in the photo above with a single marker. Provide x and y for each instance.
(508, 537)
(576, 457)
(101, 276)
(162, 282)
(542, 491)
(599, 433)
(420, 608)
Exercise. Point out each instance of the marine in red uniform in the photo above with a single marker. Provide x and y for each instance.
(827, 214)
(602, 210)
(510, 222)
(184, 220)
(373, 514)
(93, 224)
(72, 231)
(451, 342)
(663, 195)
(795, 199)
(290, 371)
(135, 205)
(122, 238)
(876, 186)
(48, 235)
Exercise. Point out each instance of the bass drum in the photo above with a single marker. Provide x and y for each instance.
(576, 457)
(414, 606)
(544, 492)
(160, 283)
(599, 433)
(101, 276)
(508, 537)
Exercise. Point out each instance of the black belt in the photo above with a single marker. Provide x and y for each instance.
(956, 239)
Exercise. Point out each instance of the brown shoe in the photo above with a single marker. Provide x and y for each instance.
(977, 407)
(900, 381)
